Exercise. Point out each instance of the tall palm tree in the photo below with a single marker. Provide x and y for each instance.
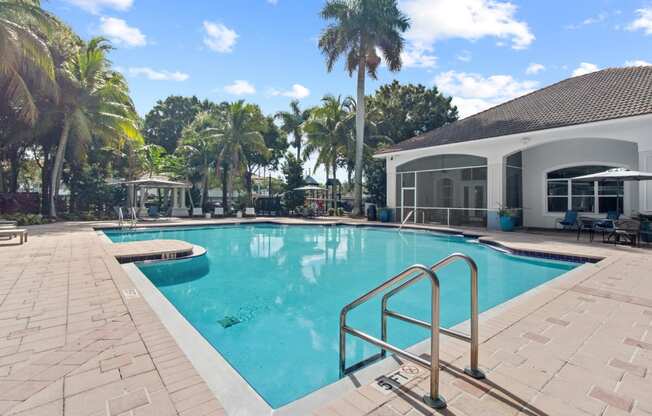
(238, 131)
(94, 98)
(358, 30)
(198, 146)
(292, 122)
(26, 65)
(328, 133)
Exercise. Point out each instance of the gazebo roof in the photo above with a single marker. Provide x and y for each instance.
(309, 180)
(155, 182)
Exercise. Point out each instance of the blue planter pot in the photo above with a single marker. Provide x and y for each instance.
(385, 215)
(506, 224)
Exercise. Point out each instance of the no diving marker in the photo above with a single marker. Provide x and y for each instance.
(387, 383)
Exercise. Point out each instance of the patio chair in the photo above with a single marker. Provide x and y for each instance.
(569, 221)
(218, 212)
(627, 231)
(607, 224)
(197, 212)
(250, 212)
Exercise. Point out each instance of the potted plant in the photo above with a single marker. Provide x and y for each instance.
(506, 217)
(331, 212)
(385, 214)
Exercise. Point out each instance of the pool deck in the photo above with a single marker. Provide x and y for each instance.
(76, 338)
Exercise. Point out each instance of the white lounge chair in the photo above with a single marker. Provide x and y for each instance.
(219, 212)
(197, 212)
(250, 212)
(13, 232)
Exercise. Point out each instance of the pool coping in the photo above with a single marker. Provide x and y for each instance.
(224, 380)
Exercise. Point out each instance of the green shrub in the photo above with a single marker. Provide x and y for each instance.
(331, 212)
(26, 219)
(340, 212)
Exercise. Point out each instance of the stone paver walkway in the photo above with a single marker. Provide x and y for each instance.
(77, 339)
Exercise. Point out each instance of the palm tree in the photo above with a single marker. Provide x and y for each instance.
(151, 158)
(94, 98)
(26, 65)
(238, 132)
(328, 133)
(360, 28)
(292, 122)
(198, 146)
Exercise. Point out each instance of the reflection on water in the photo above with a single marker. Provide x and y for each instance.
(268, 297)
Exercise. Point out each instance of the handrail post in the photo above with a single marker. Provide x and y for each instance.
(343, 344)
(473, 370)
(434, 400)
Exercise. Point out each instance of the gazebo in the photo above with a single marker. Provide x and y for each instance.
(176, 189)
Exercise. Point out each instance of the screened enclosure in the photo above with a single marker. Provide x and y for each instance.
(443, 189)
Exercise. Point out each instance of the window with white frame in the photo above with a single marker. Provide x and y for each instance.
(564, 194)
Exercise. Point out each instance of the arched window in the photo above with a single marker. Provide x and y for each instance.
(564, 194)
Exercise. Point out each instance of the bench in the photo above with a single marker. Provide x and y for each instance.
(13, 232)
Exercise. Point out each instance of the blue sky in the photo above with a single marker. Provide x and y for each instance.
(481, 52)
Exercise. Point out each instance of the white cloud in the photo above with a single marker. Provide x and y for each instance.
(637, 62)
(464, 56)
(240, 87)
(534, 68)
(418, 57)
(585, 68)
(297, 92)
(155, 75)
(95, 6)
(599, 18)
(643, 22)
(473, 93)
(121, 33)
(433, 20)
(219, 38)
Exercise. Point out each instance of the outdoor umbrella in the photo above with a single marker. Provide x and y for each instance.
(618, 174)
(309, 188)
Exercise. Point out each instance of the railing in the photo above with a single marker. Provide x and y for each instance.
(407, 217)
(121, 218)
(433, 399)
(473, 339)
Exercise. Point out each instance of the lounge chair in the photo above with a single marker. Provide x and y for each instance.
(250, 212)
(218, 212)
(14, 232)
(569, 221)
(197, 212)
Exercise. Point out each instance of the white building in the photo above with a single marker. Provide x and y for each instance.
(521, 154)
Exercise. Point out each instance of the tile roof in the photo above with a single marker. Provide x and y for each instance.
(603, 95)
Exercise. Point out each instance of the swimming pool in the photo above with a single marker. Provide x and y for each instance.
(268, 296)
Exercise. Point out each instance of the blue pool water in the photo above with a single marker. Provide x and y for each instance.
(268, 297)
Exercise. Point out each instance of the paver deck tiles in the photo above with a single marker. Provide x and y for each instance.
(72, 342)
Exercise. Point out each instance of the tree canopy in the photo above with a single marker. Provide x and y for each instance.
(165, 122)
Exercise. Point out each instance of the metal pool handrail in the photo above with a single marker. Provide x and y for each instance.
(434, 399)
(473, 370)
(407, 217)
